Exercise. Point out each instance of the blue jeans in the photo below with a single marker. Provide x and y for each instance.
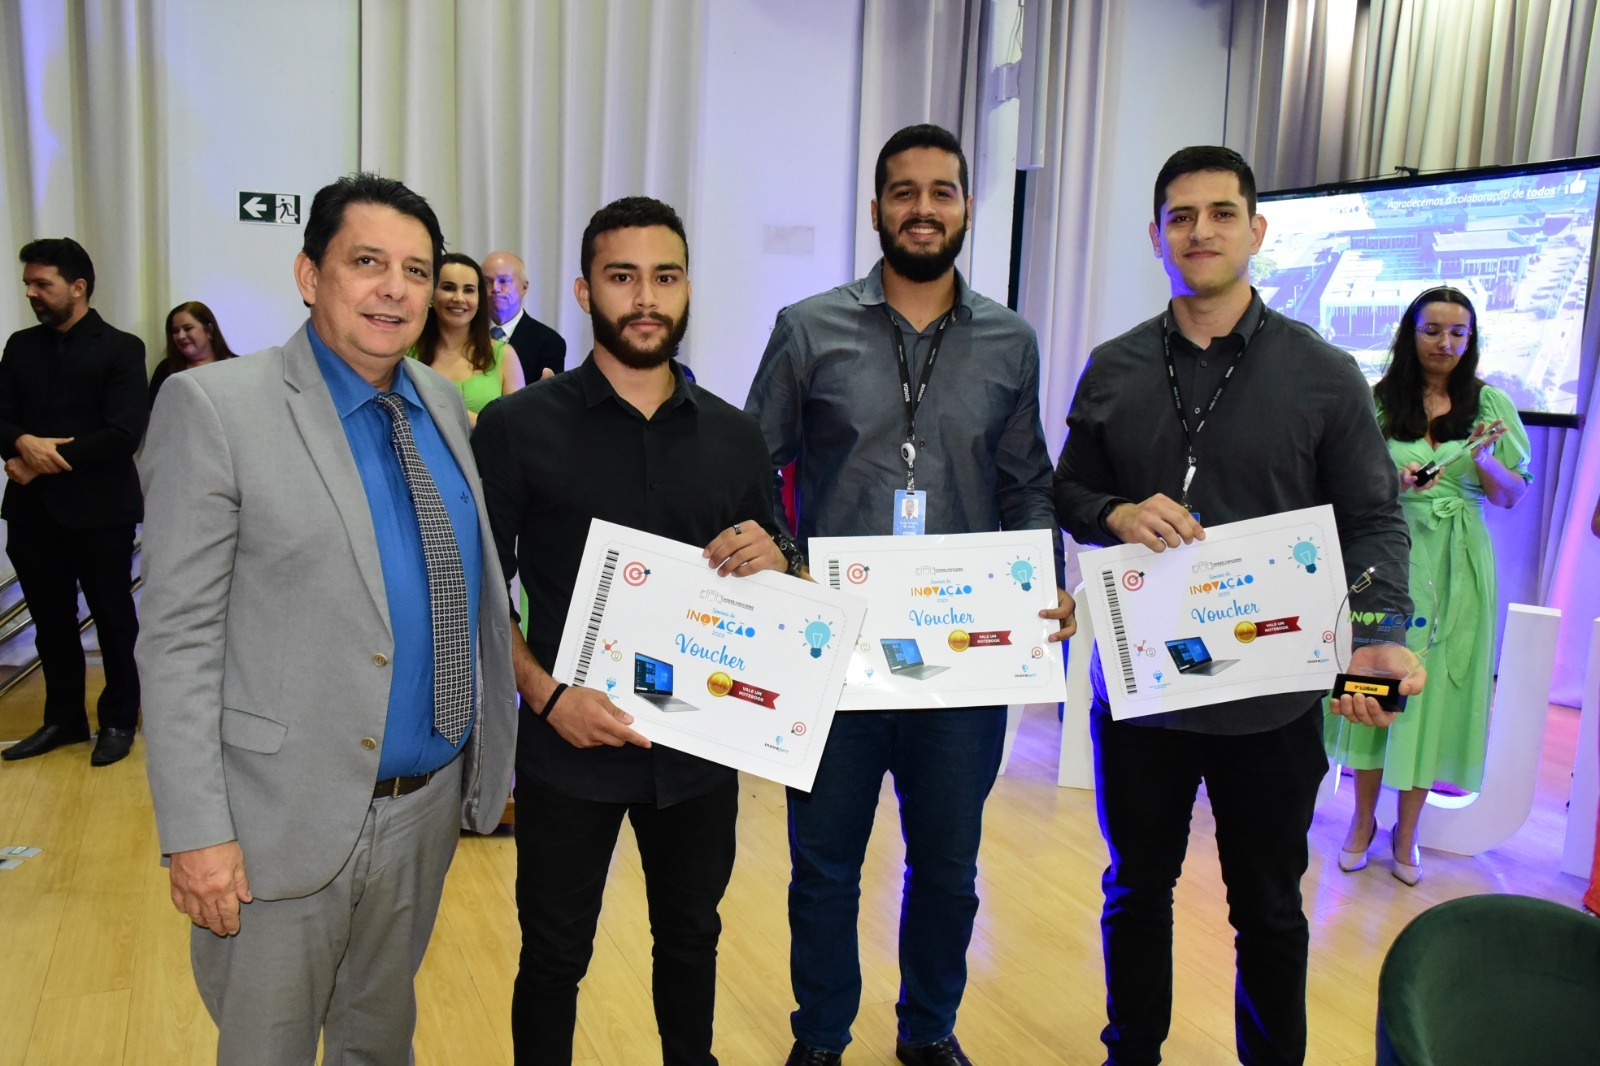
(944, 764)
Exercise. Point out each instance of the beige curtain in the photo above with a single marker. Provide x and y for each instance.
(1335, 90)
(519, 120)
(81, 149)
(918, 64)
(80, 157)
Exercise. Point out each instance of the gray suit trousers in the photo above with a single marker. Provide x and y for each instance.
(341, 961)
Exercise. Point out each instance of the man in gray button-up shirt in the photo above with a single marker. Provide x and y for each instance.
(831, 397)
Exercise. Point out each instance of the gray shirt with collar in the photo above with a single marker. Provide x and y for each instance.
(828, 398)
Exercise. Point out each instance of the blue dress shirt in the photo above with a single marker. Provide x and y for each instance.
(411, 744)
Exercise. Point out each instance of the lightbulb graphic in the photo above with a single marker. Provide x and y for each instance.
(611, 684)
(817, 634)
(1305, 553)
(1022, 570)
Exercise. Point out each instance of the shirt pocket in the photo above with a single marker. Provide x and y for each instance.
(252, 732)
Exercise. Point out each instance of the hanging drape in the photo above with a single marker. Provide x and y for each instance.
(1336, 90)
(518, 121)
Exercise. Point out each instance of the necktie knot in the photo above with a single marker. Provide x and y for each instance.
(497, 333)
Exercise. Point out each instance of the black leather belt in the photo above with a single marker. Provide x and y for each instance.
(395, 787)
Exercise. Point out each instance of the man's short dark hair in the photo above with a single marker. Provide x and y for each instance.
(1205, 157)
(66, 255)
(925, 135)
(327, 211)
(626, 213)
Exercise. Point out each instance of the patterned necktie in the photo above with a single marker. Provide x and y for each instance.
(497, 333)
(447, 587)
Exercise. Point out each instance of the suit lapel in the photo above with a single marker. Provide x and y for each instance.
(323, 435)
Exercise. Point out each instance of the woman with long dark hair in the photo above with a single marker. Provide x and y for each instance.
(1429, 400)
(455, 340)
(193, 339)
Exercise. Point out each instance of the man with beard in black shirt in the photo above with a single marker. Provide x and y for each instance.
(624, 438)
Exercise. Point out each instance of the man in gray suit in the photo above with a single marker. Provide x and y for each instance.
(326, 648)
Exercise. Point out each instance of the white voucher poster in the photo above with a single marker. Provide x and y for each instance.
(1249, 611)
(744, 671)
(952, 620)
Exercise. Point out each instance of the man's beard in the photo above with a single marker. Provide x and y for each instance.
(611, 336)
(47, 315)
(921, 266)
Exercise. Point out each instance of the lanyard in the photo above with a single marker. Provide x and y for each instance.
(1177, 397)
(908, 450)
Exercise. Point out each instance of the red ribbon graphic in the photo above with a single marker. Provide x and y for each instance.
(991, 639)
(752, 694)
(1278, 625)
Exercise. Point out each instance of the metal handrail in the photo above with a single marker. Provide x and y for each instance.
(13, 614)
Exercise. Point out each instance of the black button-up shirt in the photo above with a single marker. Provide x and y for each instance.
(1294, 429)
(564, 451)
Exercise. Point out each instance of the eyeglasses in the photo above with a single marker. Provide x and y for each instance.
(1459, 333)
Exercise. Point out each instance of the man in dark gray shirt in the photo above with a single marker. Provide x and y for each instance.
(1225, 410)
(906, 401)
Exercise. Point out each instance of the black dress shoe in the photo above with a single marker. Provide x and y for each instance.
(946, 1052)
(112, 746)
(805, 1055)
(46, 738)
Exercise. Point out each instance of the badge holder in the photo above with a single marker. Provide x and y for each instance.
(1405, 637)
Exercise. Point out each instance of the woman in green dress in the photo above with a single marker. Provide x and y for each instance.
(455, 340)
(1429, 400)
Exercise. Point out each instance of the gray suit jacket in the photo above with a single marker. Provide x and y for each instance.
(265, 634)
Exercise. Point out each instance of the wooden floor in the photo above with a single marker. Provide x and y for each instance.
(95, 961)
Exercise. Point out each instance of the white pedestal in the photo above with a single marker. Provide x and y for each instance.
(1077, 750)
(1467, 825)
(1577, 854)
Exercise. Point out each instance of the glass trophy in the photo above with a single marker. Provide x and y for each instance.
(1378, 644)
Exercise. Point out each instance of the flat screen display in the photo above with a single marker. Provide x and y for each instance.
(1519, 241)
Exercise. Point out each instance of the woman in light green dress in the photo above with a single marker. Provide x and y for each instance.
(1429, 401)
(455, 340)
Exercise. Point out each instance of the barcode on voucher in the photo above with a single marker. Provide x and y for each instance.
(591, 636)
(1119, 633)
(833, 572)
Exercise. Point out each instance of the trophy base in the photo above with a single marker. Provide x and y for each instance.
(1386, 690)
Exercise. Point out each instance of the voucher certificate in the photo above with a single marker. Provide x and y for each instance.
(1246, 612)
(744, 671)
(952, 620)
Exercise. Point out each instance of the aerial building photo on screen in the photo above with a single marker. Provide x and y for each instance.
(1347, 261)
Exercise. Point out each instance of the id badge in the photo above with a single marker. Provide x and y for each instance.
(910, 512)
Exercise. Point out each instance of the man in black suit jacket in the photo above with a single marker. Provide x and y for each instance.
(539, 348)
(73, 406)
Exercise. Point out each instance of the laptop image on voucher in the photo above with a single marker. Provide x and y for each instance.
(905, 659)
(652, 681)
(1193, 657)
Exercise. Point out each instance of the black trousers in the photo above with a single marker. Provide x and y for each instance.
(564, 848)
(52, 562)
(1263, 788)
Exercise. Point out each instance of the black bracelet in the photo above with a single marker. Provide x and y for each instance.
(551, 702)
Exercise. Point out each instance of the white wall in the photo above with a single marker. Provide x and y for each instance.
(267, 102)
(777, 166)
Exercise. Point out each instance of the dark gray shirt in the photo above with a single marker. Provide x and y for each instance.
(827, 395)
(1294, 428)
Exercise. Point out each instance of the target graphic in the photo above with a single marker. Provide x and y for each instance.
(634, 573)
(1327, 636)
(798, 729)
(856, 573)
(1038, 652)
(1133, 580)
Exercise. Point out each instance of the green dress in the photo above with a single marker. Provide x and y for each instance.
(478, 389)
(1442, 732)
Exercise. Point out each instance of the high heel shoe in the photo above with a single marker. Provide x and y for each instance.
(1407, 873)
(1351, 861)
